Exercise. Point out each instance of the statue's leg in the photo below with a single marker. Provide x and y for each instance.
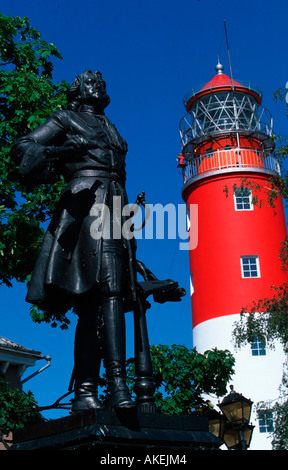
(114, 338)
(87, 354)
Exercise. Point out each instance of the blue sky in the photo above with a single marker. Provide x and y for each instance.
(150, 54)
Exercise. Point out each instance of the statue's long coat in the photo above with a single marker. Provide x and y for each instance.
(69, 261)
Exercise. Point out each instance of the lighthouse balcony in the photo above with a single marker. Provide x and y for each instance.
(226, 161)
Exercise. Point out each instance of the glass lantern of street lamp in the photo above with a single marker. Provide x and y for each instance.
(236, 407)
(216, 423)
(236, 438)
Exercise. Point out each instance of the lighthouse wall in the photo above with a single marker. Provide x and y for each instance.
(219, 290)
(225, 236)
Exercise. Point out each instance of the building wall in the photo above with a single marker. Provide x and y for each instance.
(13, 377)
(256, 377)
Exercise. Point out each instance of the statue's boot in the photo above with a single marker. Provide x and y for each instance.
(86, 397)
(87, 362)
(118, 395)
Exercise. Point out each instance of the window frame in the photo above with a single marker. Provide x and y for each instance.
(251, 205)
(258, 348)
(244, 257)
(265, 421)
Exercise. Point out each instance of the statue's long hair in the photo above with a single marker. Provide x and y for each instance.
(74, 93)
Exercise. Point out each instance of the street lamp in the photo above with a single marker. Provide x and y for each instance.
(232, 425)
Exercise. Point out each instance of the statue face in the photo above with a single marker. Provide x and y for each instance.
(93, 90)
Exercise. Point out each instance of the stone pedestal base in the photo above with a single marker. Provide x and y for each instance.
(125, 434)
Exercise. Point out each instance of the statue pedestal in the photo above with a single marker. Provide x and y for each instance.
(128, 433)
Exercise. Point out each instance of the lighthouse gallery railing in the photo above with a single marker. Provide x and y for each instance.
(229, 160)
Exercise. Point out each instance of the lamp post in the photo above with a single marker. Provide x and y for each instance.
(232, 425)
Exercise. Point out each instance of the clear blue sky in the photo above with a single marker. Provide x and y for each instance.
(150, 53)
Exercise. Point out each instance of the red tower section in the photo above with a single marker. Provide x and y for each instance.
(227, 163)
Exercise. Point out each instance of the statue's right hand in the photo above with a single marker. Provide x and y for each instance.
(73, 147)
(77, 142)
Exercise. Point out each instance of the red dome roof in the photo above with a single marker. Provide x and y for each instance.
(223, 82)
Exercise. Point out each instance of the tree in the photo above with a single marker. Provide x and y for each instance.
(280, 412)
(17, 409)
(182, 376)
(269, 325)
(27, 98)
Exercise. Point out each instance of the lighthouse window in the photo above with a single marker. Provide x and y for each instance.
(250, 266)
(243, 199)
(265, 419)
(258, 348)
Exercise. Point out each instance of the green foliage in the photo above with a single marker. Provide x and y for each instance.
(280, 434)
(17, 409)
(182, 376)
(27, 98)
(280, 415)
(269, 325)
(54, 319)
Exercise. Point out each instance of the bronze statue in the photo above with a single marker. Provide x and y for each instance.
(96, 275)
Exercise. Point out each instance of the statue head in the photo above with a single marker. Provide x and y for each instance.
(89, 88)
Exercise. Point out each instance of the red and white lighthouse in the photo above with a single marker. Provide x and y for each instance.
(226, 143)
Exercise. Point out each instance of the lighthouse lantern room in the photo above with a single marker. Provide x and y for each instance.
(227, 162)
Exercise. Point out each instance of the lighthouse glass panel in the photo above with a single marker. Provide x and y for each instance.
(250, 266)
(243, 199)
(224, 111)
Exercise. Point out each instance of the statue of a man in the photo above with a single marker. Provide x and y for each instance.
(94, 274)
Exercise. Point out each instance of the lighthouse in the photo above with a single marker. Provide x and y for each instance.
(227, 161)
